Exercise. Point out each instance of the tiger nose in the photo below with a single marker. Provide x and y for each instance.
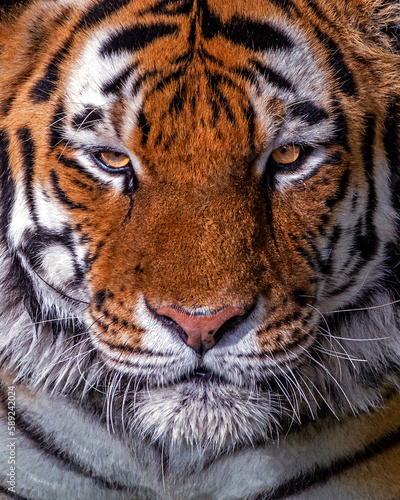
(201, 329)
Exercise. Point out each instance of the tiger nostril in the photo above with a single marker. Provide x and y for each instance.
(201, 331)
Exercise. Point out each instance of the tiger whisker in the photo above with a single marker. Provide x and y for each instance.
(312, 358)
(63, 294)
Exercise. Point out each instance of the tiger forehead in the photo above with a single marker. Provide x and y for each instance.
(186, 82)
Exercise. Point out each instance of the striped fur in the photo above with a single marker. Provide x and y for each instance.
(299, 398)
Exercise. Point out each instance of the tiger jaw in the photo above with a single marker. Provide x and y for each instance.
(212, 415)
(161, 357)
(230, 397)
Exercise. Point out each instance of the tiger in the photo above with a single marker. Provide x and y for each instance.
(199, 250)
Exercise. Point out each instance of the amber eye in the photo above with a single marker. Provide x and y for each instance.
(286, 154)
(113, 160)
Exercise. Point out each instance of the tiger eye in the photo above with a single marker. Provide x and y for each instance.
(286, 154)
(113, 159)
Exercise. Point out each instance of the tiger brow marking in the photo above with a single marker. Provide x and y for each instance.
(136, 38)
(272, 76)
(87, 118)
(45, 87)
(341, 72)
(242, 31)
(101, 11)
(115, 85)
(310, 112)
(169, 7)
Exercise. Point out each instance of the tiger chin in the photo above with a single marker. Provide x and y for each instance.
(199, 249)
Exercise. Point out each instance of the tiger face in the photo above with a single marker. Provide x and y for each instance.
(196, 187)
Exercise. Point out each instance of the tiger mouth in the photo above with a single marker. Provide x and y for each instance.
(203, 376)
(276, 365)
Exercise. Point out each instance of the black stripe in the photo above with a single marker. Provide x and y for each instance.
(6, 104)
(44, 88)
(343, 288)
(341, 129)
(46, 443)
(318, 12)
(326, 265)
(61, 194)
(272, 76)
(17, 278)
(241, 31)
(341, 72)
(368, 242)
(56, 136)
(36, 242)
(6, 5)
(144, 126)
(172, 77)
(136, 38)
(86, 119)
(141, 79)
(305, 254)
(341, 192)
(215, 81)
(115, 85)
(101, 11)
(10, 494)
(28, 153)
(67, 162)
(309, 112)
(320, 475)
(285, 5)
(177, 101)
(7, 184)
(392, 30)
(251, 119)
(170, 7)
(391, 143)
(90, 259)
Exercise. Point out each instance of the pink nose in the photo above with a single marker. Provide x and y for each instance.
(201, 329)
